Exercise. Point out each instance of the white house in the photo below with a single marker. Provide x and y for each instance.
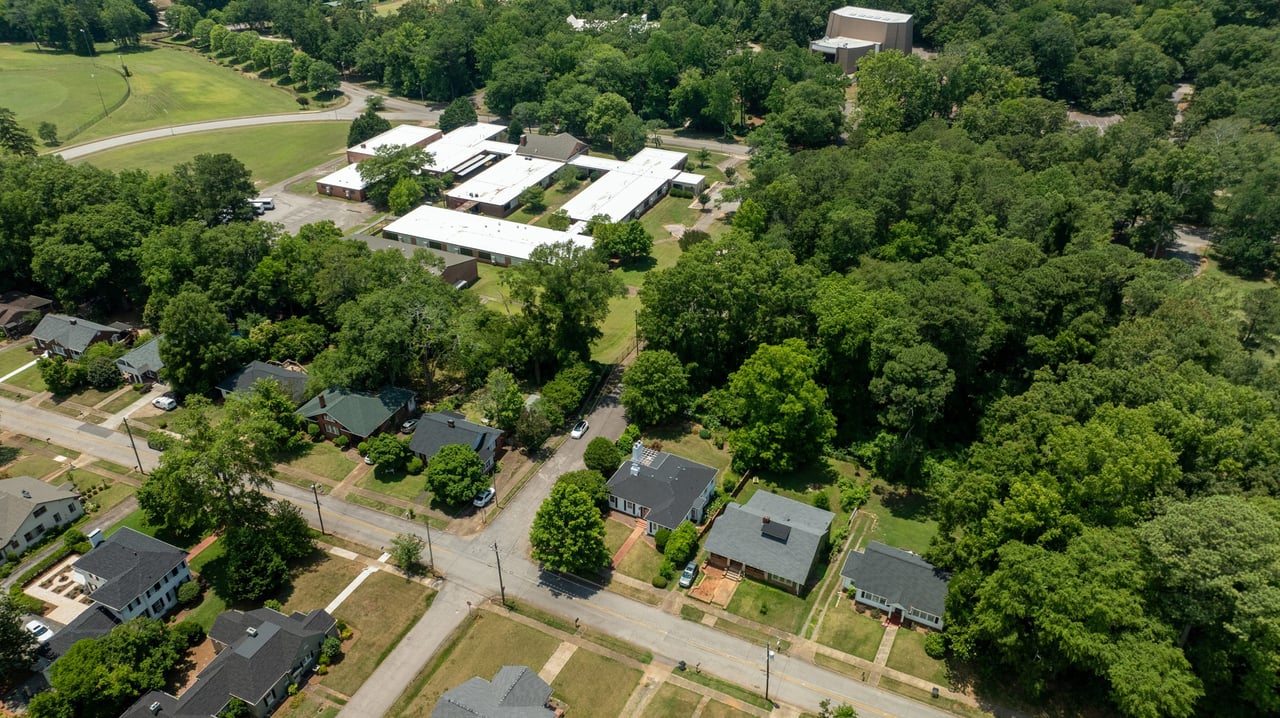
(897, 582)
(132, 574)
(30, 509)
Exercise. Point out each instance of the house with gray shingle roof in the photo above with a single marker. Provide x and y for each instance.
(259, 654)
(20, 311)
(771, 538)
(901, 583)
(663, 489)
(442, 428)
(558, 148)
(132, 573)
(515, 692)
(70, 336)
(30, 509)
(142, 365)
(293, 382)
(358, 415)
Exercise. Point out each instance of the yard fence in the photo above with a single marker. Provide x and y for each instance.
(128, 90)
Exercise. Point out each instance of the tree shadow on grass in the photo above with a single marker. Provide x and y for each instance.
(8, 454)
(816, 475)
(908, 505)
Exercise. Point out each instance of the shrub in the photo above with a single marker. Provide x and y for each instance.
(692, 237)
(821, 500)
(935, 646)
(704, 433)
(660, 581)
(602, 456)
(273, 604)
(853, 494)
(189, 632)
(188, 593)
(414, 467)
(629, 436)
(667, 570)
(341, 442)
(331, 648)
(313, 429)
(682, 546)
(660, 538)
(293, 689)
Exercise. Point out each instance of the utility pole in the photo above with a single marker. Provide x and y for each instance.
(501, 588)
(135, 446)
(768, 656)
(431, 554)
(319, 515)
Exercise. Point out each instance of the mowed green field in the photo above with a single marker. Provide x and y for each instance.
(58, 87)
(272, 152)
(169, 87)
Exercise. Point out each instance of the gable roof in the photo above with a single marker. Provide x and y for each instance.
(746, 533)
(248, 667)
(129, 563)
(560, 148)
(243, 379)
(900, 576)
(434, 433)
(143, 358)
(361, 413)
(668, 485)
(20, 496)
(15, 305)
(515, 692)
(73, 333)
(94, 622)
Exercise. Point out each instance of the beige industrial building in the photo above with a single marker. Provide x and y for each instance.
(853, 32)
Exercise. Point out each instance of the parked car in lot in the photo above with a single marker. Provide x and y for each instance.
(41, 631)
(690, 572)
(579, 429)
(485, 497)
(167, 403)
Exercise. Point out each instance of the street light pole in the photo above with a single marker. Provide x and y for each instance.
(768, 655)
(501, 588)
(319, 515)
(431, 554)
(135, 446)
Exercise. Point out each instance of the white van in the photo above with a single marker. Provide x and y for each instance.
(264, 202)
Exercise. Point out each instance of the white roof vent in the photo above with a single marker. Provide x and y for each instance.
(251, 631)
(154, 708)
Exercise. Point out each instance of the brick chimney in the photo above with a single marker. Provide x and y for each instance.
(320, 396)
(451, 424)
(765, 520)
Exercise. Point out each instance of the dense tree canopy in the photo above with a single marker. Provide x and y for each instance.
(568, 531)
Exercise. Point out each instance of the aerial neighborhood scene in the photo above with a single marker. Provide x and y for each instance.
(674, 358)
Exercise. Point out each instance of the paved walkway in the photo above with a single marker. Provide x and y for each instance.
(351, 588)
(18, 371)
(636, 533)
(556, 662)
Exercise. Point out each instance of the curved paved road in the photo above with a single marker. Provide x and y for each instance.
(397, 111)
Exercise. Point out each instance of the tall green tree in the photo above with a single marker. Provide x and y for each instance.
(100, 677)
(390, 165)
(785, 419)
(14, 137)
(17, 644)
(455, 474)
(368, 124)
(197, 347)
(212, 188)
(655, 388)
(568, 532)
(459, 113)
(500, 400)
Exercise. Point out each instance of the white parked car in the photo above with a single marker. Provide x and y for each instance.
(167, 403)
(579, 429)
(485, 497)
(41, 631)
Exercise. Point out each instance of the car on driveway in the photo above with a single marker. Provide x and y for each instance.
(579, 429)
(690, 572)
(485, 497)
(167, 403)
(368, 460)
(408, 426)
(40, 631)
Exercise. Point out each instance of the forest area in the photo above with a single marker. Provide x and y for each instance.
(953, 284)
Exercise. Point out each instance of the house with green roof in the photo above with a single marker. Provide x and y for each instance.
(358, 415)
(142, 364)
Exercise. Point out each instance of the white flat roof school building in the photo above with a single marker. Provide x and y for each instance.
(496, 190)
(346, 183)
(464, 150)
(491, 240)
(630, 188)
(402, 135)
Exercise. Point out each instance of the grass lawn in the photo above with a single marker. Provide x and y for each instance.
(908, 656)
(847, 630)
(173, 87)
(109, 466)
(671, 210)
(919, 694)
(771, 606)
(138, 522)
(14, 358)
(672, 700)
(641, 562)
(208, 565)
(35, 466)
(326, 460)
(308, 706)
(619, 329)
(397, 484)
(29, 380)
(729, 689)
(716, 709)
(902, 521)
(691, 446)
(112, 496)
(88, 397)
(615, 534)
(271, 152)
(490, 289)
(750, 634)
(381, 611)
(487, 643)
(170, 419)
(57, 86)
(580, 681)
(317, 582)
(803, 484)
(120, 402)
